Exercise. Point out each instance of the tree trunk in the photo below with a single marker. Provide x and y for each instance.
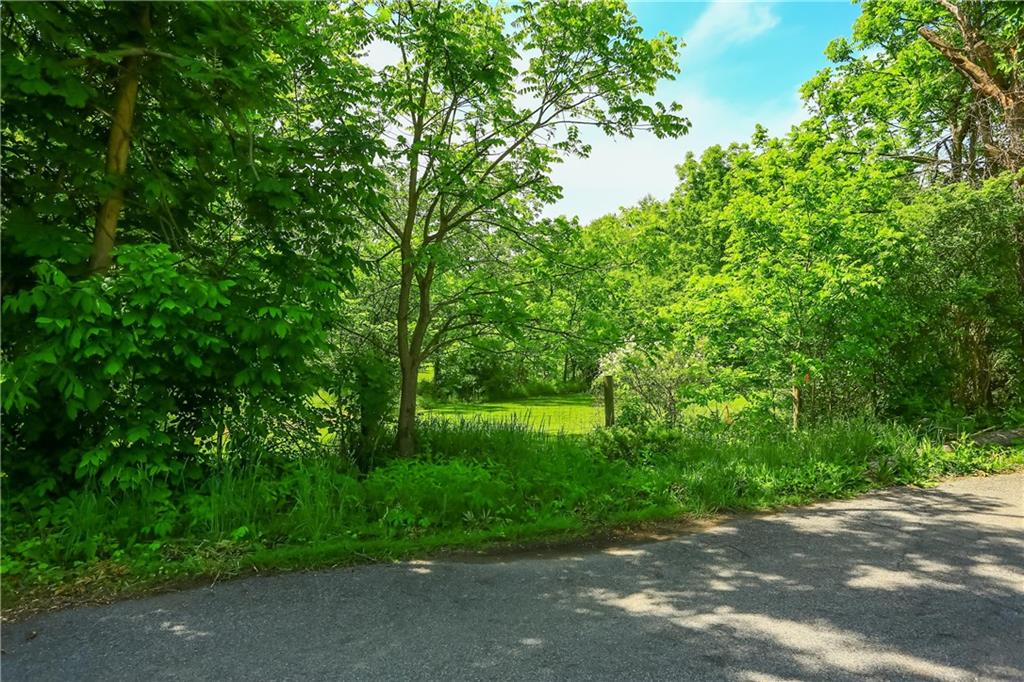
(796, 408)
(958, 131)
(410, 350)
(406, 439)
(409, 345)
(797, 399)
(117, 154)
(407, 411)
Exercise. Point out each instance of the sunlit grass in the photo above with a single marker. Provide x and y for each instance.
(576, 413)
(426, 372)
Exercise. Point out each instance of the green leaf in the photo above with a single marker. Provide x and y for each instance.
(113, 366)
(137, 433)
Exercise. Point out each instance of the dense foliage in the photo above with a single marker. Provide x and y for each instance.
(240, 241)
(826, 283)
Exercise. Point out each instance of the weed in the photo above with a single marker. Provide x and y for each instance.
(476, 482)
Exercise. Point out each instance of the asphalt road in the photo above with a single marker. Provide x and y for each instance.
(903, 584)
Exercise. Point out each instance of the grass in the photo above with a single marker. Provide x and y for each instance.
(576, 413)
(572, 414)
(475, 484)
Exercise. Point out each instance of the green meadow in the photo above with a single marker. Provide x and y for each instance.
(576, 413)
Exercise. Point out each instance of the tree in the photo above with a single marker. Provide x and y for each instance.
(216, 149)
(245, 154)
(117, 147)
(963, 348)
(481, 100)
(940, 84)
(984, 44)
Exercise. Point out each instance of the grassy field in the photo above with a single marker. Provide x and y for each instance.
(574, 413)
(577, 413)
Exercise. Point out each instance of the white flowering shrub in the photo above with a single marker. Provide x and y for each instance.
(655, 384)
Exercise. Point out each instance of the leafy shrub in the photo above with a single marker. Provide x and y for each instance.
(491, 373)
(363, 386)
(479, 480)
(657, 383)
(425, 495)
(128, 378)
(477, 374)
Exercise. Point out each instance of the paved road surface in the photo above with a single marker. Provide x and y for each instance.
(904, 584)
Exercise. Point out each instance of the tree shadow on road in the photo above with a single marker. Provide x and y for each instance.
(905, 587)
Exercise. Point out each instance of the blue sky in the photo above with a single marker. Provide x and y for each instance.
(743, 64)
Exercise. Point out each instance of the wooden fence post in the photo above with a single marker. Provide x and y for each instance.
(609, 401)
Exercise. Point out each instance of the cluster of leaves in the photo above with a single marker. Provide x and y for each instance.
(128, 378)
(935, 83)
(656, 384)
(222, 154)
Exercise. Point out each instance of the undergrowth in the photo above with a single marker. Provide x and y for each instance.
(474, 483)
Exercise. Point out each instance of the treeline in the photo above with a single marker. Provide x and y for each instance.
(246, 229)
(813, 278)
(869, 262)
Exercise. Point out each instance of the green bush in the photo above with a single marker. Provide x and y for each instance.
(130, 378)
(491, 373)
(444, 495)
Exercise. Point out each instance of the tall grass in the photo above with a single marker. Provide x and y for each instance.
(572, 413)
(475, 481)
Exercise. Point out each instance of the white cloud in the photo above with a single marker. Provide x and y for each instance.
(727, 23)
(379, 54)
(620, 172)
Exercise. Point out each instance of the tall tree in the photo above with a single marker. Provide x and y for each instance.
(479, 102)
(984, 42)
(942, 81)
(118, 143)
(172, 122)
(940, 84)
